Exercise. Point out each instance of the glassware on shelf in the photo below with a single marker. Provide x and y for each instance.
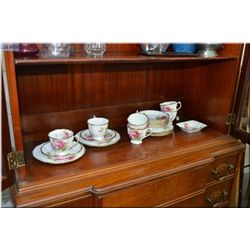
(95, 49)
(184, 47)
(209, 49)
(27, 49)
(51, 50)
(154, 48)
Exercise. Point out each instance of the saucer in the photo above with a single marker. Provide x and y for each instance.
(162, 132)
(45, 153)
(110, 138)
(48, 151)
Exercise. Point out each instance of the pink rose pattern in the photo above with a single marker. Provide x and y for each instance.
(167, 109)
(60, 158)
(134, 134)
(59, 144)
(66, 135)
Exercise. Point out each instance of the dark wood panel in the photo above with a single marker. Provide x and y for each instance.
(67, 87)
(209, 92)
(163, 81)
(156, 192)
(81, 202)
(123, 47)
(195, 201)
(231, 49)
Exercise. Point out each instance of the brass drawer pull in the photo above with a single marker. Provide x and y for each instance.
(216, 173)
(231, 168)
(209, 200)
(225, 194)
(223, 170)
(217, 197)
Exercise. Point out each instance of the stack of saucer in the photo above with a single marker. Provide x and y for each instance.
(158, 122)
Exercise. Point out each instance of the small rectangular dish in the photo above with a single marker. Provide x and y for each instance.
(191, 126)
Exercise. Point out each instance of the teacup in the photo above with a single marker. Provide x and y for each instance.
(61, 140)
(137, 135)
(98, 127)
(138, 121)
(170, 108)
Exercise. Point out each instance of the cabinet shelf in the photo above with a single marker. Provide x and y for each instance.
(103, 160)
(114, 57)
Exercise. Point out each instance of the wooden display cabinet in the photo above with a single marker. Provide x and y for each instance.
(177, 170)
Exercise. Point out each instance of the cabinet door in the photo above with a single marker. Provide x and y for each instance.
(241, 127)
(7, 175)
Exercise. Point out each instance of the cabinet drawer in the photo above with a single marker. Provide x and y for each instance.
(218, 195)
(158, 191)
(196, 201)
(80, 202)
(223, 167)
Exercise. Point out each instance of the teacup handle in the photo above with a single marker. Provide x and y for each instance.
(178, 103)
(149, 132)
(77, 140)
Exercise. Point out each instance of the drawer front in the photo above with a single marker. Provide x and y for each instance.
(223, 167)
(80, 202)
(218, 195)
(196, 201)
(158, 191)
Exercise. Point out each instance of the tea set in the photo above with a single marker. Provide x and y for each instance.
(63, 146)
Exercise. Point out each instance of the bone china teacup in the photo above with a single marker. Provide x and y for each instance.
(137, 135)
(138, 121)
(98, 127)
(170, 108)
(61, 140)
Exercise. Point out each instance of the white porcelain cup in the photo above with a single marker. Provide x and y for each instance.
(138, 121)
(170, 108)
(98, 127)
(137, 135)
(61, 140)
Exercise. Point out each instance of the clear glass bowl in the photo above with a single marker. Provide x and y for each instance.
(154, 48)
(95, 49)
(51, 50)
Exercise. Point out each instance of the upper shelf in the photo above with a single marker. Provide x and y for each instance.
(113, 57)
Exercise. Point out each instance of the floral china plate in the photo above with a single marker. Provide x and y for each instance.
(110, 138)
(45, 153)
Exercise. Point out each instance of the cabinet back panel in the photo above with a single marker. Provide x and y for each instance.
(48, 88)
